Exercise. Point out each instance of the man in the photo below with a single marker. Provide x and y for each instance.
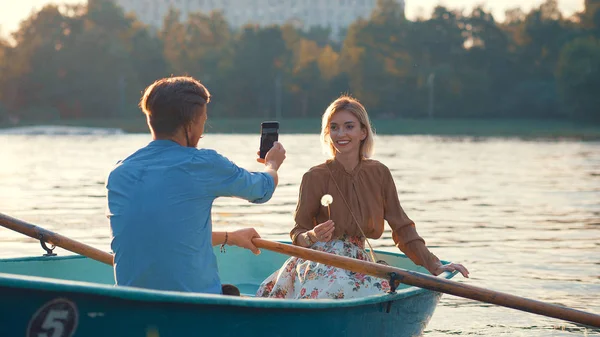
(160, 197)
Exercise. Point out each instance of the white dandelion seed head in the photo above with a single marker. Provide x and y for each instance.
(326, 200)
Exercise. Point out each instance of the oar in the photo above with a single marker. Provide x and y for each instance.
(382, 271)
(434, 283)
(45, 235)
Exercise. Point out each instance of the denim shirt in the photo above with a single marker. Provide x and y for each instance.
(159, 206)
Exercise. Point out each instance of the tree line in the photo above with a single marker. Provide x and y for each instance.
(92, 61)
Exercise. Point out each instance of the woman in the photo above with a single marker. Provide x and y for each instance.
(364, 195)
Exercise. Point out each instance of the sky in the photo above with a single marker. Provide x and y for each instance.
(14, 11)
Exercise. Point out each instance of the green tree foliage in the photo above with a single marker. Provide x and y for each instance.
(591, 16)
(5, 50)
(256, 63)
(76, 61)
(377, 61)
(579, 77)
(93, 61)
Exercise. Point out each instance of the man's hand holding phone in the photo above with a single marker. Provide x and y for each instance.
(271, 152)
(275, 156)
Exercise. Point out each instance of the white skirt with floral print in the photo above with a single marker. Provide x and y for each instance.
(302, 279)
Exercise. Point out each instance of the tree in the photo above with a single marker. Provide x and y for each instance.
(92, 61)
(146, 52)
(487, 69)
(173, 37)
(257, 59)
(578, 76)
(375, 57)
(102, 51)
(438, 47)
(5, 50)
(545, 32)
(591, 16)
(536, 44)
(37, 69)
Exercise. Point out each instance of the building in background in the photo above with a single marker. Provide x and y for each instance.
(337, 14)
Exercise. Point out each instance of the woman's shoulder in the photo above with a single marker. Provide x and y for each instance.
(317, 170)
(375, 165)
(375, 168)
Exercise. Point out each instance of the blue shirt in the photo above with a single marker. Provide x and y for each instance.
(159, 206)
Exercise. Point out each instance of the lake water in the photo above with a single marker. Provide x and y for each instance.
(523, 216)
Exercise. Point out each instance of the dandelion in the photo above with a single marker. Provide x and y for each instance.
(327, 200)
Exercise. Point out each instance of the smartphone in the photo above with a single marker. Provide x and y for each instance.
(269, 134)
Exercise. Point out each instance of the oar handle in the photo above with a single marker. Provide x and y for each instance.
(55, 239)
(434, 283)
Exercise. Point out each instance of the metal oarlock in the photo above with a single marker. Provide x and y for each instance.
(49, 251)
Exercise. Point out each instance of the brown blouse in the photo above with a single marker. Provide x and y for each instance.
(371, 193)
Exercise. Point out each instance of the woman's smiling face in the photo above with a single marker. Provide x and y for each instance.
(346, 133)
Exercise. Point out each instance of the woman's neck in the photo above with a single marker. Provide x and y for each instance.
(349, 162)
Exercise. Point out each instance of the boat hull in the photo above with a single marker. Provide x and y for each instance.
(102, 315)
(86, 304)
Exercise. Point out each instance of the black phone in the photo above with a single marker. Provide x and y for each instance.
(269, 134)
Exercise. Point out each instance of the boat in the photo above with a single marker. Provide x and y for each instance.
(73, 295)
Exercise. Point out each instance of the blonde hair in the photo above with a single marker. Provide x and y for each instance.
(352, 105)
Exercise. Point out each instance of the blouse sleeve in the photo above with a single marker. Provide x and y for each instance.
(307, 207)
(403, 227)
(404, 232)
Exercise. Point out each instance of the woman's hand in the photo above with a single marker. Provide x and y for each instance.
(451, 267)
(322, 232)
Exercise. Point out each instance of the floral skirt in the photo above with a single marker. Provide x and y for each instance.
(301, 279)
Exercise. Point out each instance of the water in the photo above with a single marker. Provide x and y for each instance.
(523, 216)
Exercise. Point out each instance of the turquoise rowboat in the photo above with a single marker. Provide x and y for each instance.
(69, 296)
(52, 296)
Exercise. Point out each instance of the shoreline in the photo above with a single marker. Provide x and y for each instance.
(523, 128)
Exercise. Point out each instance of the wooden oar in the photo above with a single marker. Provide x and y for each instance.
(386, 272)
(55, 239)
(434, 283)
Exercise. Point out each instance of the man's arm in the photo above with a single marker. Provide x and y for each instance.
(273, 160)
(218, 238)
(271, 168)
(226, 179)
(241, 238)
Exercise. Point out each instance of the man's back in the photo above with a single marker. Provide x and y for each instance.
(159, 204)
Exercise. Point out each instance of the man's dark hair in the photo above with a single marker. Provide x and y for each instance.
(174, 102)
